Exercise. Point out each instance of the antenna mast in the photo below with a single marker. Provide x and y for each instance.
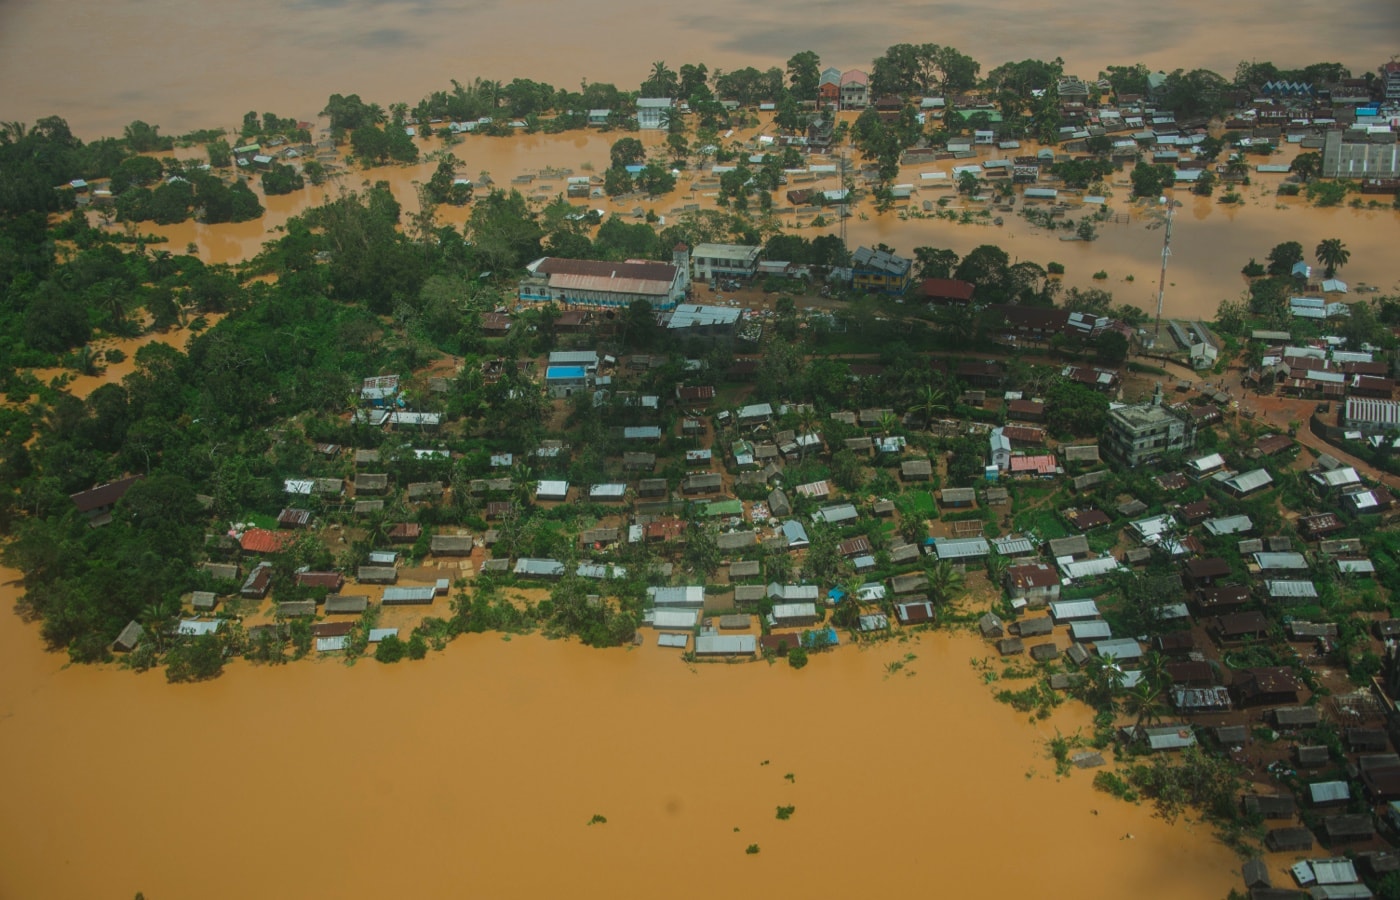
(1166, 255)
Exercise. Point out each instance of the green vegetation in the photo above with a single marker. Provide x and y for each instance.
(785, 812)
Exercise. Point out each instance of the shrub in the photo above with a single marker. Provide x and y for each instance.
(1055, 268)
(1100, 275)
(785, 812)
(751, 849)
(797, 657)
(390, 650)
(196, 660)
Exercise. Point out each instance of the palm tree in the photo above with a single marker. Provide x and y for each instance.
(1144, 702)
(662, 82)
(1333, 254)
(944, 582)
(1236, 167)
(932, 399)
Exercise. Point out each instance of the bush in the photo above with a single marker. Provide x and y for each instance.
(797, 657)
(390, 650)
(785, 812)
(751, 849)
(196, 660)
(1055, 268)
(1100, 275)
(1253, 269)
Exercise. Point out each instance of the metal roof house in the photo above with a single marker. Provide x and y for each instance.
(684, 596)
(1247, 483)
(1070, 610)
(539, 568)
(962, 548)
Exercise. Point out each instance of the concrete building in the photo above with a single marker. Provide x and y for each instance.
(654, 113)
(592, 282)
(1142, 434)
(710, 261)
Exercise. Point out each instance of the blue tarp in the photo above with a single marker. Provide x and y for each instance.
(823, 637)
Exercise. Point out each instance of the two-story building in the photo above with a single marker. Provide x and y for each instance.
(880, 271)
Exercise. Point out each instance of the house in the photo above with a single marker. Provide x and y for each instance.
(880, 271)
(726, 645)
(916, 470)
(1036, 583)
(914, 612)
(854, 89)
(451, 545)
(259, 580)
(331, 581)
(129, 637)
(1246, 483)
(1268, 685)
(96, 503)
(956, 498)
(1206, 572)
(552, 490)
(962, 549)
(1241, 626)
(794, 615)
(1075, 547)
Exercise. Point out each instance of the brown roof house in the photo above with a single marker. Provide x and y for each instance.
(1036, 583)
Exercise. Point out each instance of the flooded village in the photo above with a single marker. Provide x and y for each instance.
(718, 474)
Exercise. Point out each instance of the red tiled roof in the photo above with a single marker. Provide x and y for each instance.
(261, 540)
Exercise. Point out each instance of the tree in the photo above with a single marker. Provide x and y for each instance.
(1150, 181)
(1306, 166)
(280, 179)
(220, 154)
(935, 262)
(1283, 257)
(661, 83)
(627, 151)
(944, 582)
(701, 550)
(804, 75)
(1332, 254)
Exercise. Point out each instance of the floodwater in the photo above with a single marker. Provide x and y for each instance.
(1210, 244)
(477, 771)
(103, 63)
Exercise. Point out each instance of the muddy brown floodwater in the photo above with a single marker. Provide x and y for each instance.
(1211, 241)
(103, 63)
(476, 772)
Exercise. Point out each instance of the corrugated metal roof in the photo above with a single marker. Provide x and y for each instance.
(686, 595)
(962, 548)
(1289, 561)
(198, 626)
(1069, 610)
(1124, 649)
(378, 634)
(1291, 588)
(1229, 525)
(725, 644)
(328, 644)
(672, 639)
(678, 619)
(1247, 482)
(1329, 792)
(1090, 630)
(402, 596)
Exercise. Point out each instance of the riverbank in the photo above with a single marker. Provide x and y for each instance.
(459, 772)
